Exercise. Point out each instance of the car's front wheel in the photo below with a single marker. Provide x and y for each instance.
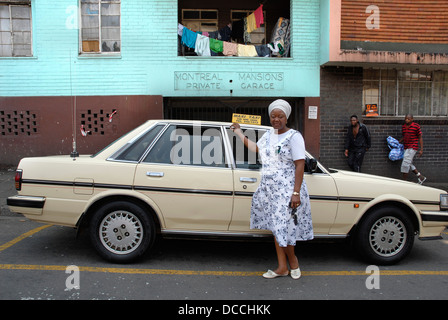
(385, 236)
(121, 231)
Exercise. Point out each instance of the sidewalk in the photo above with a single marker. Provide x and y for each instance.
(7, 189)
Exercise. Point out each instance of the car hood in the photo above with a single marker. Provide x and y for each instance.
(362, 185)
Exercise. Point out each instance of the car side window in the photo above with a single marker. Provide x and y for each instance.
(244, 158)
(135, 150)
(189, 145)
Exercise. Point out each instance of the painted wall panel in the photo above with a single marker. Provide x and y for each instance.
(148, 62)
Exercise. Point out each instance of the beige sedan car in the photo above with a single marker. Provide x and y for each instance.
(189, 178)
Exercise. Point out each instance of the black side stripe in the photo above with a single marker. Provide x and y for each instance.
(179, 190)
(194, 191)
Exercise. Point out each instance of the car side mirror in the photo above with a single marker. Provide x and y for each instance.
(311, 164)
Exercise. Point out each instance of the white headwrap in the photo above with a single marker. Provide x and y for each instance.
(281, 105)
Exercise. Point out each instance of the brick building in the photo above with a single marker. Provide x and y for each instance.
(392, 54)
(102, 67)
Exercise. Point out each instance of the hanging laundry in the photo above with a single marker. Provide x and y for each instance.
(276, 47)
(259, 17)
(251, 24)
(263, 50)
(180, 29)
(230, 49)
(213, 35)
(216, 45)
(281, 33)
(247, 51)
(202, 46)
(189, 38)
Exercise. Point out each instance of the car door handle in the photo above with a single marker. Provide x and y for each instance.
(248, 180)
(154, 174)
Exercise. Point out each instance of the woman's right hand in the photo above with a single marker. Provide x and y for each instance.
(235, 126)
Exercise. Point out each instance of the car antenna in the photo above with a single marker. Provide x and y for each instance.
(74, 153)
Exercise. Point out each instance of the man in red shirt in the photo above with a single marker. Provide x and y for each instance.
(412, 136)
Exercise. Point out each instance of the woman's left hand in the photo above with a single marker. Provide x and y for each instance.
(295, 201)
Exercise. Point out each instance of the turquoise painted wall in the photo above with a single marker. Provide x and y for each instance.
(324, 31)
(148, 63)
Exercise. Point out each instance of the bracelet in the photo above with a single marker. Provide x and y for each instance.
(296, 193)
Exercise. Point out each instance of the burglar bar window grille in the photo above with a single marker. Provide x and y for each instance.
(100, 30)
(400, 92)
(15, 30)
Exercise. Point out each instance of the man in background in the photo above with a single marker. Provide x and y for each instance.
(357, 142)
(412, 137)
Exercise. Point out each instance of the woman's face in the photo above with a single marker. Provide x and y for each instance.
(278, 120)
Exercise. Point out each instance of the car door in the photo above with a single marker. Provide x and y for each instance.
(247, 174)
(185, 174)
(246, 177)
(324, 200)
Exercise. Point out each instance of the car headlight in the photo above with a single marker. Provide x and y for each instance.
(444, 201)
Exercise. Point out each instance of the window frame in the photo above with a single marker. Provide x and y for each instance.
(418, 83)
(235, 144)
(173, 127)
(11, 4)
(100, 27)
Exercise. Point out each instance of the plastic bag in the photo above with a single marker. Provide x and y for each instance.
(396, 149)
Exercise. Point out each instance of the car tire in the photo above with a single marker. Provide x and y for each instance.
(385, 236)
(122, 231)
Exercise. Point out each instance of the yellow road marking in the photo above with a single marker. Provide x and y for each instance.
(215, 273)
(23, 236)
(191, 272)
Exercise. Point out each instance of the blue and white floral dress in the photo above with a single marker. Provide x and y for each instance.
(270, 203)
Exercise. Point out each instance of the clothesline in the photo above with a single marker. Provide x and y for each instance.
(213, 43)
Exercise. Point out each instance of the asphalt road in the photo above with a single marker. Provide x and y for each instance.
(35, 260)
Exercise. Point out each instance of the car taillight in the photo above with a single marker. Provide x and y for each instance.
(18, 179)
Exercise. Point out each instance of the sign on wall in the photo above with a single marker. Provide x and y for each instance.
(226, 81)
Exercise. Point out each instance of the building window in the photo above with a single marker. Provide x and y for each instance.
(200, 19)
(100, 30)
(15, 29)
(400, 92)
(235, 32)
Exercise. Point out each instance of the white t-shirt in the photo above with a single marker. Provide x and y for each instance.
(297, 144)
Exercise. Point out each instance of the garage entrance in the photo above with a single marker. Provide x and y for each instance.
(215, 109)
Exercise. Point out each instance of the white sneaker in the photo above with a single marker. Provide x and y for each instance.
(421, 179)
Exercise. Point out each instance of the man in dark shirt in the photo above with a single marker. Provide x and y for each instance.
(412, 136)
(357, 142)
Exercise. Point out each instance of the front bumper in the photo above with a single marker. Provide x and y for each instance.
(431, 217)
(433, 224)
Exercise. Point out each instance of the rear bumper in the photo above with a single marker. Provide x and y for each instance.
(26, 204)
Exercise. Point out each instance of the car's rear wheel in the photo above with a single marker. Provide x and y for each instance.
(121, 231)
(385, 236)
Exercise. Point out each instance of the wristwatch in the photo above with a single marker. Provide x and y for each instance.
(295, 193)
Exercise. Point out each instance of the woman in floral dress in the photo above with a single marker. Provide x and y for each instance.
(281, 202)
